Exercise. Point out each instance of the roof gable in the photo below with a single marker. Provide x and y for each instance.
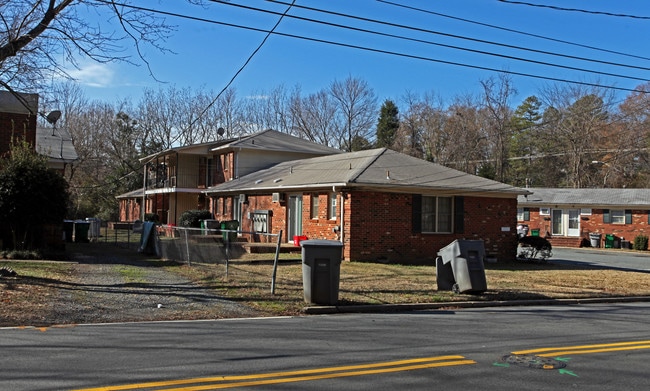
(272, 140)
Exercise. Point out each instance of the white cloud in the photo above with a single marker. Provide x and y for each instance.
(93, 75)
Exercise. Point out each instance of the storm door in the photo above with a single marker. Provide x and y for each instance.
(294, 218)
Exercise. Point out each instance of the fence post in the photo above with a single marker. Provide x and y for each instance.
(275, 262)
(187, 247)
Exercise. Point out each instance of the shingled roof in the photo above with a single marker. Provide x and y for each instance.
(587, 198)
(377, 169)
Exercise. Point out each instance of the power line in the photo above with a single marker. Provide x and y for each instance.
(477, 40)
(379, 51)
(513, 30)
(248, 60)
(554, 7)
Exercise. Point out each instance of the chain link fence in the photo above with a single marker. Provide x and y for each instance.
(205, 245)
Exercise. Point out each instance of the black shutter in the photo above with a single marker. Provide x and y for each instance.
(459, 214)
(607, 218)
(526, 214)
(628, 216)
(416, 213)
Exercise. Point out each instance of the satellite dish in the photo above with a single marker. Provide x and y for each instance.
(221, 131)
(53, 116)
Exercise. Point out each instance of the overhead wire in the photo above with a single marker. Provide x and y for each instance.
(557, 8)
(429, 31)
(381, 51)
(513, 30)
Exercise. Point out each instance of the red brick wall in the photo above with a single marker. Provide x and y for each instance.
(377, 226)
(14, 126)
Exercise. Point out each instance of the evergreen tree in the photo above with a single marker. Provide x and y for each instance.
(387, 125)
(31, 196)
(523, 145)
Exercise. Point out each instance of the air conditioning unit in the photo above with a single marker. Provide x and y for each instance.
(277, 197)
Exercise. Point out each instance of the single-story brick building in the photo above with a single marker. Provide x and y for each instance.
(567, 217)
(381, 204)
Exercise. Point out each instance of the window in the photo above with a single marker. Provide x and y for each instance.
(617, 216)
(436, 214)
(523, 214)
(585, 211)
(314, 206)
(545, 211)
(331, 211)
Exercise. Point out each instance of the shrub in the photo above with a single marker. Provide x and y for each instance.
(192, 218)
(641, 242)
(534, 248)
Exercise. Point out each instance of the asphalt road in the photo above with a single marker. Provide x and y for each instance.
(603, 258)
(593, 347)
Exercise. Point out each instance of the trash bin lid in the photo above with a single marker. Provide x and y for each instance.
(320, 242)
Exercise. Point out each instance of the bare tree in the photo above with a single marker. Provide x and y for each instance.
(266, 110)
(315, 117)
(575, 123)
(357, 106)
(467, 142)
(497, 92)
(38, 37)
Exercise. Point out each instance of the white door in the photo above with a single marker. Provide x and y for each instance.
(294, 218)
(565, 222)
(574, 222)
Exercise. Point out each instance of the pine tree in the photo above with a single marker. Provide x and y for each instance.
(387, 125)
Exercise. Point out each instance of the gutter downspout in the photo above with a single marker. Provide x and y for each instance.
(341, 212)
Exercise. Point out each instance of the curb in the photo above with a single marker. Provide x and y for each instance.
(386, 308)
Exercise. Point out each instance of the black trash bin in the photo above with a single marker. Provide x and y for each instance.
(68, 229)
(466, 259)
(81, 231)
(444, 275)
(321, 268)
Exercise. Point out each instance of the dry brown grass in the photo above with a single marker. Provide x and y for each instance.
(248, 281)
(372, 283)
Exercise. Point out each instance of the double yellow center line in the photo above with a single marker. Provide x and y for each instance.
(221, 382)
(586, 349)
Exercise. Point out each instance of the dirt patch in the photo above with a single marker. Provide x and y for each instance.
(114, 285)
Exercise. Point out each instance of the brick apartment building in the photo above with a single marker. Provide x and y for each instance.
(382, 205)
(567, 217)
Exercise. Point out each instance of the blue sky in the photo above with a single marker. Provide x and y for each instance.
(207, 55)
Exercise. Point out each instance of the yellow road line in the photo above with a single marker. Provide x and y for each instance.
(585, 349)
(295, 376)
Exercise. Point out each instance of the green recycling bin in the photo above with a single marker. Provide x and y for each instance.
(229, 230)
(609, 240)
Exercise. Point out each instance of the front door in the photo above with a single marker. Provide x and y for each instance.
(574, 222)
(294, 218)
(565, 222)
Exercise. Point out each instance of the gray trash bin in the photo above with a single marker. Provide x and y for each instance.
(466, 259)
(594, 238)
(444, 275)
(321, 268)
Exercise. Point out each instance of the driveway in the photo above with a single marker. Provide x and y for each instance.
(602, 258)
